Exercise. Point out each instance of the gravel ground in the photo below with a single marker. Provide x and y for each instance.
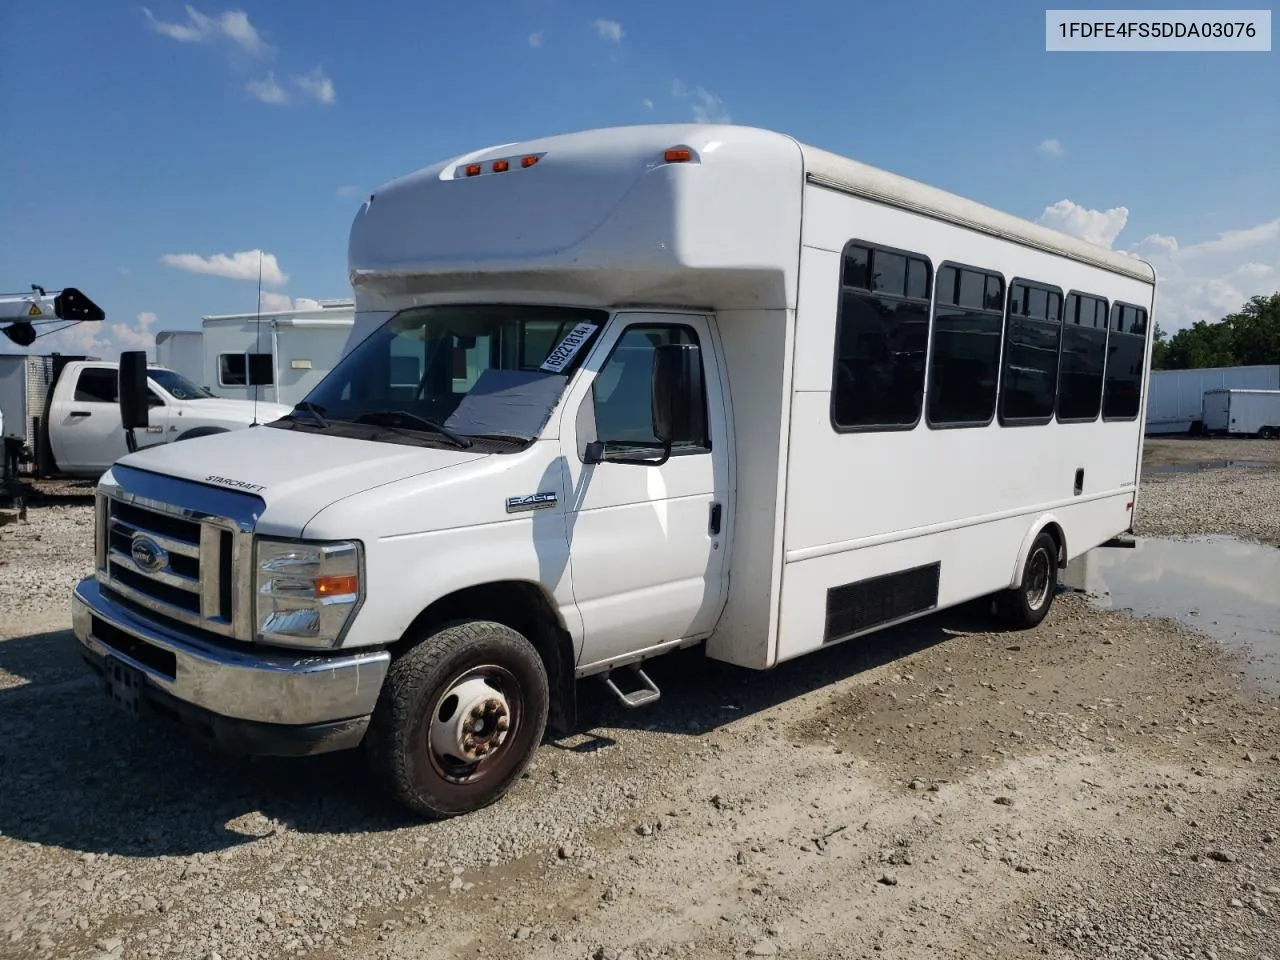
(1237, 500)
(1100, 786)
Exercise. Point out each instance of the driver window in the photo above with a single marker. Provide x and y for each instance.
(622, 396)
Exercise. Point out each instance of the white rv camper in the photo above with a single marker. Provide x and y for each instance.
(276, 356)
(610, 394)
(182, 351)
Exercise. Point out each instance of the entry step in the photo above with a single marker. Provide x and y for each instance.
(637, 697)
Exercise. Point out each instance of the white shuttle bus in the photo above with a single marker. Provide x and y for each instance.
(610, 394)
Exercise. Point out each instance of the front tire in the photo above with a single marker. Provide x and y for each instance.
(1027, 604)
(458, 718)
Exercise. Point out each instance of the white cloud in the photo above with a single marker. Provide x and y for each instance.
(609, 30)
(1096, 226)
(238, 266)
(349, 190)
(1205, 281)
(647, 103)
(267, 90)
(1050, 147)
(105, 340)
(275, 301)
(278, 301)
(317, 85)
(708, 108)
(535, 39)
(232, 26)
(1235, 241)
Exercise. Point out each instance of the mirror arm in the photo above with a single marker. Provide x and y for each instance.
(595, 453)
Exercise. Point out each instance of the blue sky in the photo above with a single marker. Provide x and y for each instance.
(152, 144)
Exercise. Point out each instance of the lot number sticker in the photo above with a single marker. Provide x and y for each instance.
(568, 348)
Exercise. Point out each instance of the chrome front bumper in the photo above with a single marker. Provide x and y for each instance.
(249, 696)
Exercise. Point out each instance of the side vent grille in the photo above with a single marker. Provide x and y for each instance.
(854, 608)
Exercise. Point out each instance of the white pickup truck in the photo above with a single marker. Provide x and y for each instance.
(84, 427)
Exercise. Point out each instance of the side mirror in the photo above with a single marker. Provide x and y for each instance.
(133, 389)
(678, 412)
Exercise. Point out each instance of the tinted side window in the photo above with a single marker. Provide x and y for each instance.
(963, 367)
(882, 334)
(622, 393)
(98, 386)
(1029, 381)
(1122, 393)
(1084, 354)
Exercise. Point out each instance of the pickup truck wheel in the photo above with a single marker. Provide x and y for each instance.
(1025, 605)
(458, 718)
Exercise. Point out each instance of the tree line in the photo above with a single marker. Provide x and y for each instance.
(1245, 338)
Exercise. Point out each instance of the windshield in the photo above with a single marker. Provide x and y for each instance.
(476, 370)
(178, 386)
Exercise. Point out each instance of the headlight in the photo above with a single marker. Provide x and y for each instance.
(305, 594)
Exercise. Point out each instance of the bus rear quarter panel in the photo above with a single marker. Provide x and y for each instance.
(864, 504)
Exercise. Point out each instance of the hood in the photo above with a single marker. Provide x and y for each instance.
(296, 474)
(239, 411)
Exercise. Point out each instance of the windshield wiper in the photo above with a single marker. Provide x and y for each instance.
(403, 418)
(316, 411)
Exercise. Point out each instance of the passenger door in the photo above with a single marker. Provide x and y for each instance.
(647, 543)
(86, 432)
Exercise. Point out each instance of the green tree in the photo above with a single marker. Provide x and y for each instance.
(1249, 336)
(1160, 350)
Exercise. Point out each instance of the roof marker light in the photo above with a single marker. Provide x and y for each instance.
(473, 170)
(678, 155)
(500, 166)
(529, 161)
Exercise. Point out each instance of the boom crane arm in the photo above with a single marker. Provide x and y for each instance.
(21, 312)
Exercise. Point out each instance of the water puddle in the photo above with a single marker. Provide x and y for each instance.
(1223, 587)
(1197, 466)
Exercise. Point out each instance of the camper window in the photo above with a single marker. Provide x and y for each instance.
(245, 370)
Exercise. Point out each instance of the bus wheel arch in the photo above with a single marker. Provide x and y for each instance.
(1027, 599)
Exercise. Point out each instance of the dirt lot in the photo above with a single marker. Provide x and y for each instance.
(1100, 786)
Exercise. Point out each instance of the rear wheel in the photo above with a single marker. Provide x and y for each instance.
(1269, 433)
(458, 718)
(1025, 605)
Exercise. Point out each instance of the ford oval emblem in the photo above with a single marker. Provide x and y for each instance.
(148, 555)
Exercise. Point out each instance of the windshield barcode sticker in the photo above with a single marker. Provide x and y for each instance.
(568, 348)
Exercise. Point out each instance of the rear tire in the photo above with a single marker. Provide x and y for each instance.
(1268, 433)
(1027, 604)
(458, 718)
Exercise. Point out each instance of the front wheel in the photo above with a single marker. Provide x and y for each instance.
(1025, 605)
(458, 718)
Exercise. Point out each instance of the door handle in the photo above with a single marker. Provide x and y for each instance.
(714, 526)
(81, 413)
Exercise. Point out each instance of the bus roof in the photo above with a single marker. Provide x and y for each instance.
(613, 214)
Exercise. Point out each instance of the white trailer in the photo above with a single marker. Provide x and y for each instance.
(182, 351)
(1176, 403)
(276, 356)
(1250, 413)
(614, 393)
